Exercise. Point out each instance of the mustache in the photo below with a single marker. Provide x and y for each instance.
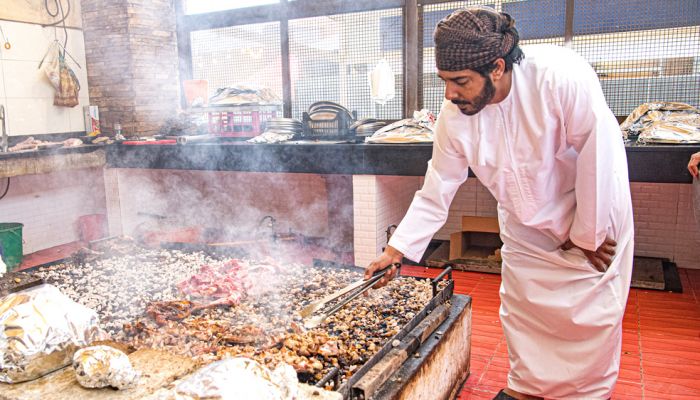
(460, 102)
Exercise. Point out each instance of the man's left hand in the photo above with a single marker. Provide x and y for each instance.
(601, 258)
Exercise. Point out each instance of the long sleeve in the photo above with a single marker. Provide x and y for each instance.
(592, 130)
(447, 170)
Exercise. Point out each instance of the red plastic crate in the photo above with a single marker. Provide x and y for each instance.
(243, 123)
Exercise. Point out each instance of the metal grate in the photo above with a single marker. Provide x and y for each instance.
(648, 51)
(330, 58)
(538, 21)
(239, 55)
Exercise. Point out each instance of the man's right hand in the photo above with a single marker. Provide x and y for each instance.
(693, 164)
(389, 256)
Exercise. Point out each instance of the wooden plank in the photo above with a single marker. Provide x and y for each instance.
(457, 245)
(44, 164)
(410, 56)
(158, 369)
(286, 67)
(480, 224)
(471, 265)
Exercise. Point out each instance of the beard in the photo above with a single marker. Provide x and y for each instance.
(478, 104)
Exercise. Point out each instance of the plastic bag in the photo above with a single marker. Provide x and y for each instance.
(50, 66)
(382, 83)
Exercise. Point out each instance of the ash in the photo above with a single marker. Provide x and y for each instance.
(119, 288)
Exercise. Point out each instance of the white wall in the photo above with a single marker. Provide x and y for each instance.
(24, 89)
(49, 205)
(378, 201)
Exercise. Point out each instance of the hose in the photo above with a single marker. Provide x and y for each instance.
(7, 188)
(58, 4)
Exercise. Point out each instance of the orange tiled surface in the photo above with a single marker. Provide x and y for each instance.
(660, 344)
(49, 255)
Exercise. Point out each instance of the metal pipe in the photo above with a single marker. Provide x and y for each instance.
(4, 140)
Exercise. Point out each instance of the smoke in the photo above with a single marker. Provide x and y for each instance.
(49, 204)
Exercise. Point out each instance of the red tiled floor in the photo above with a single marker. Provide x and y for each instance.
(660, 344)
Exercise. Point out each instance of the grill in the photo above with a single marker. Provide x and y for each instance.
(436, 337)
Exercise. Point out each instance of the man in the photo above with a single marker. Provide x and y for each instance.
(693, 164)
(536, 130)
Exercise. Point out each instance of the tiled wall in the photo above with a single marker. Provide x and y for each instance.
(24, 89)
(236, 201)
(665, 224)
(379, 201)
(49, 205)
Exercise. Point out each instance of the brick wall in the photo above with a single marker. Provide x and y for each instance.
(154, 62)
(49, 205)
(132, 62)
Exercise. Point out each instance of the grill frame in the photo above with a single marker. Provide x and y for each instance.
(440, 297)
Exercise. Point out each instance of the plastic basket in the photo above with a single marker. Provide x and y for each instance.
(328, 129)
(239, 124)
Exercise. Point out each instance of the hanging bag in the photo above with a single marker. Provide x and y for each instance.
(67, 93)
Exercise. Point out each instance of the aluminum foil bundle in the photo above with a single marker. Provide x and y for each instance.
(663, 122)
(418, 129)
(40, 329)
(102, 366)
(236, 378)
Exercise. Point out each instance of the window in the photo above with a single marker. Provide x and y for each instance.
(239, 55)
(330, 58)
(205, 6)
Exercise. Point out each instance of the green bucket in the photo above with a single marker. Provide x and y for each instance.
(11, 244)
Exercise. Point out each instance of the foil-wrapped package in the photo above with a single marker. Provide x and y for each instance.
(236, 378)
(663, 122)
(103, 366)
(40, 329)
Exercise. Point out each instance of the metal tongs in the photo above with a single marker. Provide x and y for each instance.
(355, 290)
